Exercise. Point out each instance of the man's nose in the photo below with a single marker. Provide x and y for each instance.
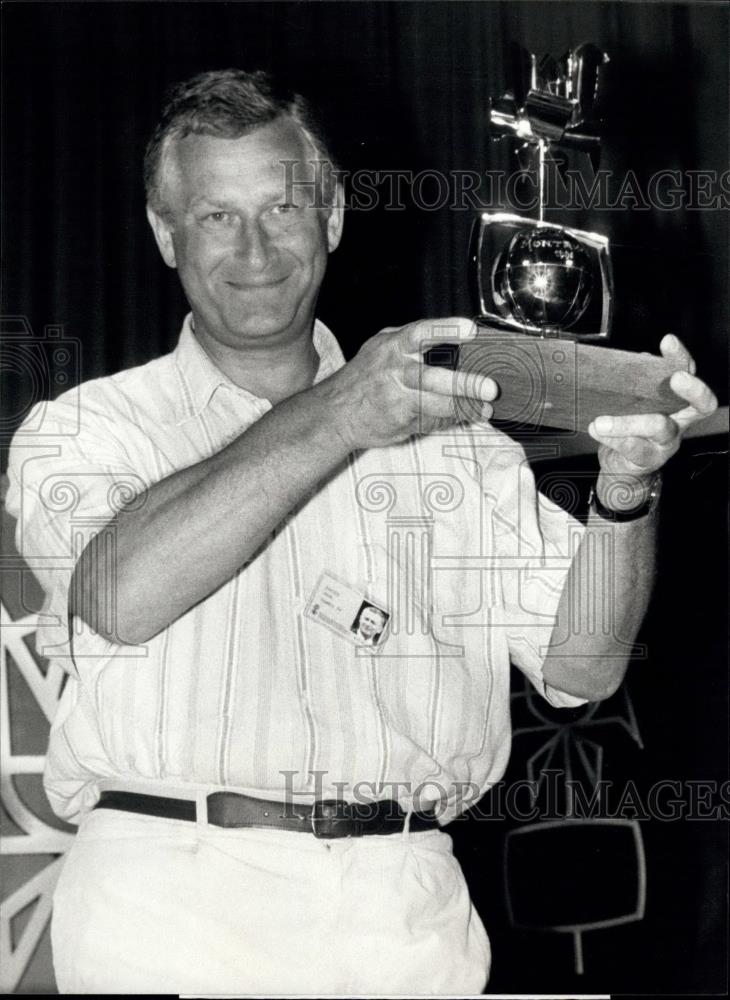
(253, 245)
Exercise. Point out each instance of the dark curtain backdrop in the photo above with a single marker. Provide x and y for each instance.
(404, 86)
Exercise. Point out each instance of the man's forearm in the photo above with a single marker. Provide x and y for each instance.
(602, 606)
(190, 532)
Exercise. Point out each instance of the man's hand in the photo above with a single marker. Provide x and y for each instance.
(634, 448)
(387, 392)
(607, 590)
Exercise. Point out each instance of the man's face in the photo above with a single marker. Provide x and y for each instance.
(371, 622)
(250, 254)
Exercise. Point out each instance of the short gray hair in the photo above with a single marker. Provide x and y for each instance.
(226, 103)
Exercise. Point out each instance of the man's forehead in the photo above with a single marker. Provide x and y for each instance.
(262, 152)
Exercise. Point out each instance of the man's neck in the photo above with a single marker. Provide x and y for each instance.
(272, 372)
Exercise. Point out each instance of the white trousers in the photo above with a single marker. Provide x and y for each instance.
(147, 905)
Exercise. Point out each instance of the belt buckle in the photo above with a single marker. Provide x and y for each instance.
(328, 821)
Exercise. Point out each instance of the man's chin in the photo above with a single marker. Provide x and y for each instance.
(259, 327)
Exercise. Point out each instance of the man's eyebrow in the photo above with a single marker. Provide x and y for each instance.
(274, 196)
(204, 199)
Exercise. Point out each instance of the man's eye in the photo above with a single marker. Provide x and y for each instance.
(219, 218)
(286, 208)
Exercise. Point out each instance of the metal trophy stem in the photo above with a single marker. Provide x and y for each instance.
(542, 156)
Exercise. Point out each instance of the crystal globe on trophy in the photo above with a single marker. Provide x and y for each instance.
(542, 279)
(545, 277)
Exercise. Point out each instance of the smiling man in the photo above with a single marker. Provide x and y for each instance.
(250, 261)
(219, 722)
(369, 626)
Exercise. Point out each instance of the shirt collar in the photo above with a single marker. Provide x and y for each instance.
(200, 377)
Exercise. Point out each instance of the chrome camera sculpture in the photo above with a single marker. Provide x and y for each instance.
(532, 276)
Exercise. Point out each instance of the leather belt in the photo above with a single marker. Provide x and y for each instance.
(327, 819)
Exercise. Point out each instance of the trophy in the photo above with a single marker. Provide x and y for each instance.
(545, 291)
(532, 276)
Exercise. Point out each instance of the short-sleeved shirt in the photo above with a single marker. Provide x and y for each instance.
(250, 691)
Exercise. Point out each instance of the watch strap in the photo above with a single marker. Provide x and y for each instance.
(633, 513)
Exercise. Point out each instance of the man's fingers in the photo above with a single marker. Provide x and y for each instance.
(673, 349)
(642, 443)
(418, 337)
(640, 453)
(448, 383)
(655, 427)
(695, 392)
(447, 409)
(438, 406)
(683, 418)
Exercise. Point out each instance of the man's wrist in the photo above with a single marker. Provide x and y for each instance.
(331, 397)
(625, 497)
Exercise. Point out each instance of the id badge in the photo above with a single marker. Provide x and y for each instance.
(348, 612)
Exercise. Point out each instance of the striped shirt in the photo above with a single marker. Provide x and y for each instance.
(249, 690)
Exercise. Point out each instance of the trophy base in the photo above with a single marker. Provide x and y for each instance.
(553, 382)
(503, 324)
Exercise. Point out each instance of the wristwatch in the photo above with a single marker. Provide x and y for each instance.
(634, 513)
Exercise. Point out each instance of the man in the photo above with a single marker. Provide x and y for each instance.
(369, 625)
(215, 735)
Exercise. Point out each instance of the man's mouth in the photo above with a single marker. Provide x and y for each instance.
(255, 286)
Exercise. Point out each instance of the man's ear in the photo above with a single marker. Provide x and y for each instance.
(336, 219)
(163, 236)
